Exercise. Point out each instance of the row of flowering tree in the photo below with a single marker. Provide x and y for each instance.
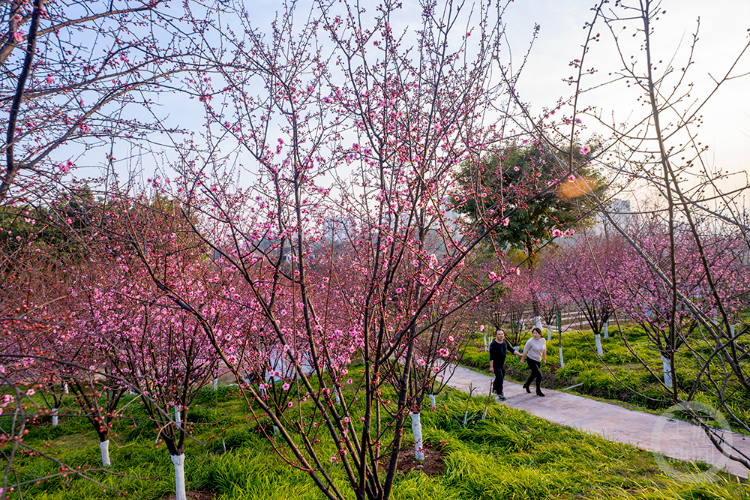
(308, 225)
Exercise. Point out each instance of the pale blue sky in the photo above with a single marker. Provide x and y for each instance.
(724, 25)
(723, 32)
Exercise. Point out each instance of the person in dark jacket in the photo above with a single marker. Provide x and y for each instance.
(498, 350)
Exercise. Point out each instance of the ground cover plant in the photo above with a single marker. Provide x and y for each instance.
(508, 454)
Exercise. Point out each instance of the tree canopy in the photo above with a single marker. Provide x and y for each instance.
(502, 186)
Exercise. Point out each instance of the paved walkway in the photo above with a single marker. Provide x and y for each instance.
(674, 438)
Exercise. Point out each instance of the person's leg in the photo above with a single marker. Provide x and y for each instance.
(500, 371)
(537, 374)
(497, 385)
(530, 364)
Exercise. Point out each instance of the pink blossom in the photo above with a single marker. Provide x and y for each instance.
(285, 386)
(30, 392)
(584, 150)
(572, 178)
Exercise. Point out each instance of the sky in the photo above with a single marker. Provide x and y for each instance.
(723, 33)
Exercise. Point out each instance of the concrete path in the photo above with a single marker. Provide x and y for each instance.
(673, 438)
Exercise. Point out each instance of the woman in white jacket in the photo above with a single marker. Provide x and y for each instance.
(535, 354)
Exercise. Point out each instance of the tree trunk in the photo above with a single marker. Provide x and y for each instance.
(416, 429)
(104, 447)
(179, 476)
(54, 417)
(433, 406)
(667, 369)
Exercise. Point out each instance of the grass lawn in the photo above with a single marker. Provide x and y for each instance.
(508, 455)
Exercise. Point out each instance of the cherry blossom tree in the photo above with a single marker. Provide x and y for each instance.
(71, 70)
(587, 270)
(350, 151)
(652, 144)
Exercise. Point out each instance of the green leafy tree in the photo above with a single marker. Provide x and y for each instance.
(534, 194)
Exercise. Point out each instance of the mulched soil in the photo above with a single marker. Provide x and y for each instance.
(432, 465)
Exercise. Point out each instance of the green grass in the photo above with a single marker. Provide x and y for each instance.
(510, 454)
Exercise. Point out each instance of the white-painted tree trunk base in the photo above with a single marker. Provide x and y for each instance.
(538, 322)
(66, 389)
(216, 383)
(179, 476)
(598, 340)
(433, 406)
(484, 338)
(104, 447)
(275, 430)
(416, 429)
(731, 328)
(562, 363)
(667, 369)
(606, 330)
(54, 416)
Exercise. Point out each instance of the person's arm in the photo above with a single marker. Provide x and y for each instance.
(526, 348)
(492, 369)
(544, 354)
(513, 349)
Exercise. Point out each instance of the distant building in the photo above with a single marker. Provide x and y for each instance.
(620, 213)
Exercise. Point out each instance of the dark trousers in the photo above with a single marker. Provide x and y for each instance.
(536, 373)
(497, 385)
